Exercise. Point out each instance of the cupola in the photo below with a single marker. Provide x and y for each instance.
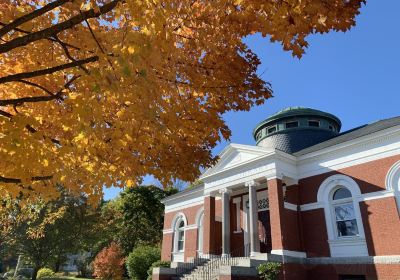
(296, 128)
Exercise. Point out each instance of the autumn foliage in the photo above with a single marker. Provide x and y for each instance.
(109, 262)
(101, 93)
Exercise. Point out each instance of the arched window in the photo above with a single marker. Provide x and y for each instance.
(344, 213)
(180, 236)
(339, 195)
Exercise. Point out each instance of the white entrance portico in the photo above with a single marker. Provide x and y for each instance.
(244, 170)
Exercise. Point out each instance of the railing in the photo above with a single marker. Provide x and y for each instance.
(207, 266)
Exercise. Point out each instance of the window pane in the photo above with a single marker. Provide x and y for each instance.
(181, 235)
(291, 124)
(181, 224)
(271, 129)
(341, 193)
(180, 245)
(347, 228)
(344, 212)
(313, 123)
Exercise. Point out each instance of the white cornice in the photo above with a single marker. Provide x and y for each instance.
(361, 141)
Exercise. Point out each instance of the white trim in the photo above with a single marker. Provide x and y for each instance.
(311, 206)
(184, 204)
(167, 231)
(289, 253)
(393, 182)
(176, 218)
(246, 237)
(193, 226)
(376, 195)
(348, 247)
(362, 197)
(290, 206)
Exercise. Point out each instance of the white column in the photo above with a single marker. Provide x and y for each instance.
(226, 226)
(253, 214)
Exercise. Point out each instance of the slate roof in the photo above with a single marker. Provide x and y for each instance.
(352, 134)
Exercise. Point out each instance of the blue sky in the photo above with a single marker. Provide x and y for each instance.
(353, 75)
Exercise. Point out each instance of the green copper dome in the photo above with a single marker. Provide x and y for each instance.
(295, 128)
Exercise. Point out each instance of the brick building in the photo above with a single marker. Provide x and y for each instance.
(324, 203)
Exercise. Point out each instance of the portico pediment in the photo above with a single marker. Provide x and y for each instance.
(235, 155)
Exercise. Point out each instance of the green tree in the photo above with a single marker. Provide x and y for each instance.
(44, 233)
(142, 216)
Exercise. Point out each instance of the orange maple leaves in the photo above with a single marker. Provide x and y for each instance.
(101, 93)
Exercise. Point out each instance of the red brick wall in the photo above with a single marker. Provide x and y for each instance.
(209, 225)
(372, 272)
(369, 176)
(275, 196)
(166, 247)
(315, 235)
(382, 226)
(190, 243)
(292, 240)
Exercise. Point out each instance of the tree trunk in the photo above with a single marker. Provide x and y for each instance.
(34, 273)
(18, 266)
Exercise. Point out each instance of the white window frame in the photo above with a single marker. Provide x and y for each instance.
(393, 182)
(343, 245)
(178, 255)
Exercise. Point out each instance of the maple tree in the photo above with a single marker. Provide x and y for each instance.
(109, 263)
(101, 93)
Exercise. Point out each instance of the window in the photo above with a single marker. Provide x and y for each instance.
(181, 236)
(179, 226)
(271, 129)
(344, 214)
(339, 196)
(292, 124)
(313, 123)
(258, 136)
(331, 128)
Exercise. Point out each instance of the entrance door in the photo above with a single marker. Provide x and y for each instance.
(264, 231)
(264, 226)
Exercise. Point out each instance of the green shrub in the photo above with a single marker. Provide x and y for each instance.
(269, 270)
(140, 260)
(156, 264)
(45, 273)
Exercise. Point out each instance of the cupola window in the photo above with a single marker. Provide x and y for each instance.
(313, 123)
(292, 124)
(271, 129)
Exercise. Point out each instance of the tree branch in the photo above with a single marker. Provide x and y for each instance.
(19, 181)
(34, 99)
(32, 15)
(36, 85)
(55, 29)
(27, 75)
